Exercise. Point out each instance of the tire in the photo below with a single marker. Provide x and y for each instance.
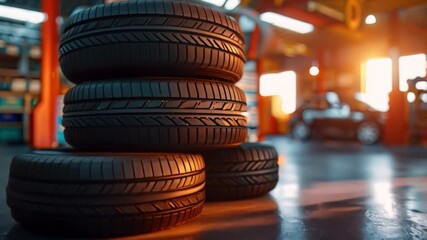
(156, 115)
(105, 194)
(300, 131)
(150, 38)
(368, 132)
(247, 171)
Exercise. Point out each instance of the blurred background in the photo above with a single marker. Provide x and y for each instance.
(337, 86)
(351, 69)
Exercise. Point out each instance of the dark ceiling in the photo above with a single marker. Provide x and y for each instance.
(329, 31)
(28, 34)
(400, 19)
(67, 6)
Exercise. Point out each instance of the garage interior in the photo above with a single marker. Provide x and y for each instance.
(372, 54)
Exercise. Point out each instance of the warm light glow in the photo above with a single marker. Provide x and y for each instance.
(215, 2)
(276, 107)
(421, 86)
(370, 19)
(314, 71)
(410, 67)
(231, 4)
(378, 83)
(411, 97)
(383, 197)
(424, 97)
(270, 84)
(281, 84)
(287, 22)
(21, 14)
(289, 95)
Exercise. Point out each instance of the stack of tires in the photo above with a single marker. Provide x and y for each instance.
(153, 105)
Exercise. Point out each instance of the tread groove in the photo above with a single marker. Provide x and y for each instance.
(80, 207)
(136, 119)
(116, 29)
(243, 172)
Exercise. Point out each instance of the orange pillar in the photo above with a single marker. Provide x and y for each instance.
(396, 128)
(254, 44)
(320, 79)
(43, 125)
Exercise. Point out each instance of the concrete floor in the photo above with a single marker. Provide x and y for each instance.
(327, 190)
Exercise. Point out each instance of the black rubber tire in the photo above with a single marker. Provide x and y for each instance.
(105, 194)
(247, 171)
(156, 115)
(376, 129)
(150, 38)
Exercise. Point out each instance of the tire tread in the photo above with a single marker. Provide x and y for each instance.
(104, 194)
(154, 115)
(247, 171)
(138, 39)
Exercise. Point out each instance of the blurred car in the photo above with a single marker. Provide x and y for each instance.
(326, 115)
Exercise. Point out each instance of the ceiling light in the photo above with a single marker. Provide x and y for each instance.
(21, 14)
(286, 22)
(411, 97)
(324, 9)
(314, 71)
(411, 67)
(232, 4)
(219, 3)
(370, 19)
(421, 86)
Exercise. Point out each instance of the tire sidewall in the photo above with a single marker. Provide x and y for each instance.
(369, 124)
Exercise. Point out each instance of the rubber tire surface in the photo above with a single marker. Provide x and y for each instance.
(150, 38)
(374, 124)
(247, 171)
(105, 194)
(156, 115)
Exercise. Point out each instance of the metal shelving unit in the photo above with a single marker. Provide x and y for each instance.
(25, 110)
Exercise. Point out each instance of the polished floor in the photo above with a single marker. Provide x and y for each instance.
(327, 190)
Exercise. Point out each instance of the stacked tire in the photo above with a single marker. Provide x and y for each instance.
(155, 116)
(99, 194)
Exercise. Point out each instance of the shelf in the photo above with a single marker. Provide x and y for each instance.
(25, 110)
(12, 110)
(17, 94)
(11, 73)
(11, 125)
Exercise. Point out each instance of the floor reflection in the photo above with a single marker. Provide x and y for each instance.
(325, 191)
(381, 212)
(399, 214)
(257, 218)
(339, 191)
